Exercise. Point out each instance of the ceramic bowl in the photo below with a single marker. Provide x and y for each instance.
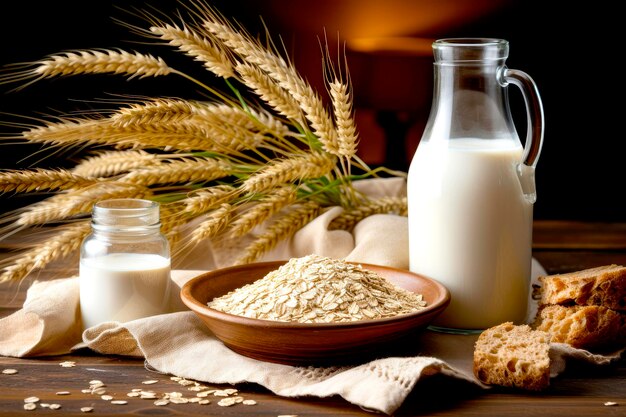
(308, 343)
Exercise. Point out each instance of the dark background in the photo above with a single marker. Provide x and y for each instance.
(569, 49)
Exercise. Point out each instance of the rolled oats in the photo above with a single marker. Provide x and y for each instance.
(317, 289)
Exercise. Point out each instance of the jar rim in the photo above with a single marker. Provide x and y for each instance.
(470, 50)
(126, 204)
(471, 42)
(126, 212)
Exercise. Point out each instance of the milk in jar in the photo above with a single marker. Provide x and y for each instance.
(470, 228)
(123, 287)
(124, 263)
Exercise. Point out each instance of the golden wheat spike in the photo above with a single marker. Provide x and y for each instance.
(349, 218)
(90, 61)
(193, 44)
(284, 74)
(64, 241)
(157, 111)
(269, 91)
(288, 170)
(346, 128)
(181, 136)
(266, 207)
(77, 202)
(283, 228)
(215, 222)
(110, 163)
(38, 179)
(176, 172)
(207, 198)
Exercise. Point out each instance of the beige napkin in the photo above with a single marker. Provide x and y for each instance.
(179, 343)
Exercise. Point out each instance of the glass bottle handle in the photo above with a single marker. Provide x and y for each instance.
(534, 113)
(534, 135)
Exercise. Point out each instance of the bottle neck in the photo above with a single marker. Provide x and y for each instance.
(470, 101)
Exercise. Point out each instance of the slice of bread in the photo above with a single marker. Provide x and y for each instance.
(513, 356)
(583, 327)
(604, 285)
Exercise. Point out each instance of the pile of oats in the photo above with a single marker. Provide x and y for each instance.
(316, 289)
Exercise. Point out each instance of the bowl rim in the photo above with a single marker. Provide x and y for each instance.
(198, 307)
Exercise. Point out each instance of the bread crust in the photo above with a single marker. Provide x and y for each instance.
(583, 327)
(601, 286)
(513, 356)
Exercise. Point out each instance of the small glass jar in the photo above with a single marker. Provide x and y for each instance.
(124, 263)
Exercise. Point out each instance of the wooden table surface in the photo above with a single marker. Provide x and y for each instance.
(581, 390)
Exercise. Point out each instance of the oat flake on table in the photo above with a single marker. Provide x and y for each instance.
(317, 289)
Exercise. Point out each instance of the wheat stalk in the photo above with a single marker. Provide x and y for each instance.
(216, 221)
(283, 228)
(75, 203)
(198, 170)
(270, 204)
(349, 218)
(24, 181)
(201, 49)
(286, 170)
(64, 241)
(112, 163)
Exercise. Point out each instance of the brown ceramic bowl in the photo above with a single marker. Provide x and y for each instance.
(308, 343)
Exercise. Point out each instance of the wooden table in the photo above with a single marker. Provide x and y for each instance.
(581, 390)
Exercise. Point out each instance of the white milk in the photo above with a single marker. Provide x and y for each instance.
(470, 228)
(123, 287)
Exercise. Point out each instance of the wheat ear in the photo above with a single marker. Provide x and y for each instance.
(269, 91)
(59, 245)
(25, 181)
(346, 127)
(158, 111)
(283, 228)
(286, 77)
(216, 222)
(196, 46)
(181, 136)
(79, 202)
(349, 218)
(93, 61)
(207, 198)
(230, 127)
(112, 163)
(286, 170)
(262, 210)
(237, 121)
(176, 172)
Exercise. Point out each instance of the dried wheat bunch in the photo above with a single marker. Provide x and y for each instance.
(270, 152)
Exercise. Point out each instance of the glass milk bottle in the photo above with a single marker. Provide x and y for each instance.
(471, 186)
(124, 263)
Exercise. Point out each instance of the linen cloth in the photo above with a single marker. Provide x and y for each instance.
(178, 343)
